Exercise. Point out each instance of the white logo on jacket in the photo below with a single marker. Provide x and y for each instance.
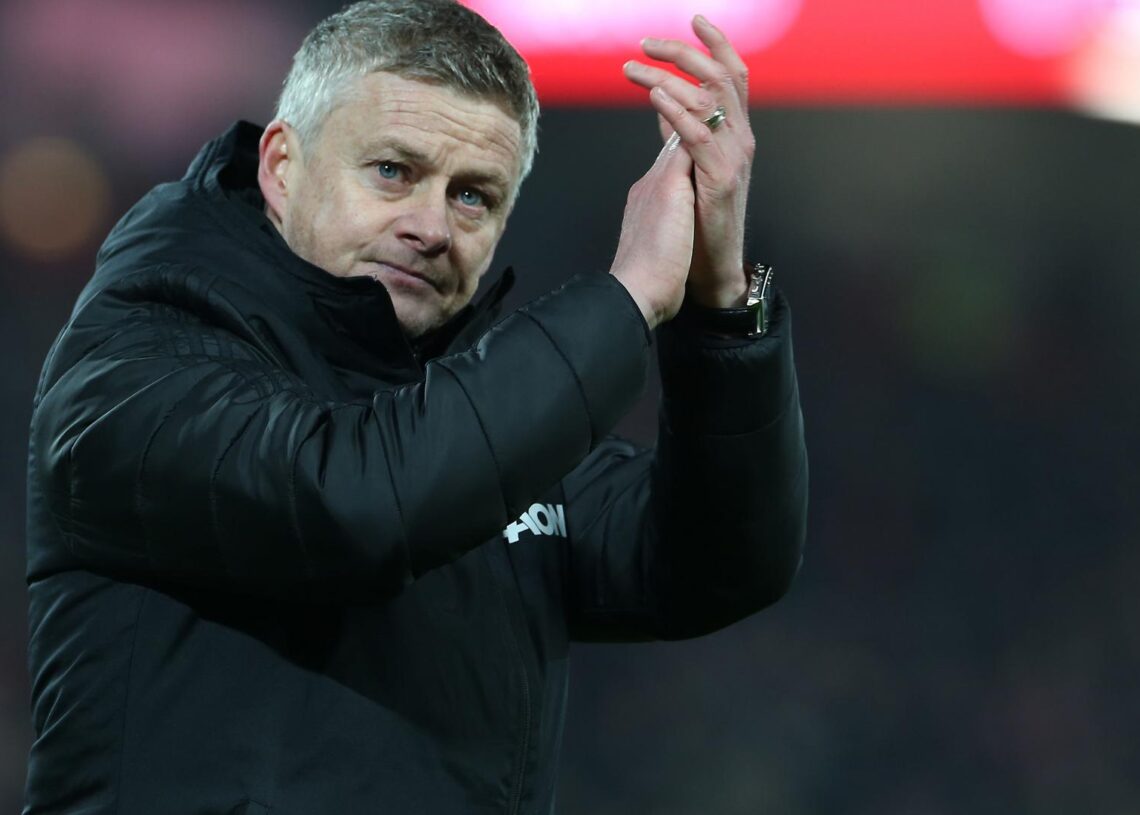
(540, 519)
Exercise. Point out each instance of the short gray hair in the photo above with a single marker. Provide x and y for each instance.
(435, 41)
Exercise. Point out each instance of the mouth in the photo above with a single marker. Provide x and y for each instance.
(384, 271)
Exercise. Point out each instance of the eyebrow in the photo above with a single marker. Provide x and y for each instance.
(403, 150)
(406, 152)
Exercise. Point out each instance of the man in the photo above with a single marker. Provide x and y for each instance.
(310, 532)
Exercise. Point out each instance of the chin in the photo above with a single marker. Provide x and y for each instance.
(417, 321)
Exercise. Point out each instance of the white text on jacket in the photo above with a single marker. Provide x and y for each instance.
(540, 519)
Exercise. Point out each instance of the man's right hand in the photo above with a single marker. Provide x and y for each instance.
(656, 245)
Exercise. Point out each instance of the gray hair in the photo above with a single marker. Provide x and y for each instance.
(435, 41)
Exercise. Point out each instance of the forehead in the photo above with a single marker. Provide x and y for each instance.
(440, 123)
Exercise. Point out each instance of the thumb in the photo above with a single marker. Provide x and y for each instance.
(674, 159)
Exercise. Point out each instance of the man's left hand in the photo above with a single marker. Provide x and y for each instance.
(722, 158)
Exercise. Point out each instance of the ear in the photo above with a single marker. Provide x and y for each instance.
(279, 155)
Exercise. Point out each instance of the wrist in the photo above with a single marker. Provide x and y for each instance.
(726, 291)
(650, 312)
(748, 319)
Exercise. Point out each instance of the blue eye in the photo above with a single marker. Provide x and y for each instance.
(471, 198)
(388, 170)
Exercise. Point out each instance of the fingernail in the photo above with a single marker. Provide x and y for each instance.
(700, 18)
(650, 41)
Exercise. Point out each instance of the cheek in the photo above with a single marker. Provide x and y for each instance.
(479, 254)
(474, 265)
(336, 228)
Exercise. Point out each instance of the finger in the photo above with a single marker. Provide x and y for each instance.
(689, 132)
(723, 52)
(674, 158)
(697, 99)
(672, 146)
(702, 67)
(665, 128)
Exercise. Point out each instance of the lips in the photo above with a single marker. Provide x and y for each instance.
(398, 271)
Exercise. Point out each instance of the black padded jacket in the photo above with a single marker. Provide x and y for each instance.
(282, 561)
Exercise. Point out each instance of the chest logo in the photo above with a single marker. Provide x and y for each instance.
(540, 519)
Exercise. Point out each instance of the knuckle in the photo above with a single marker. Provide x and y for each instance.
(742, 77)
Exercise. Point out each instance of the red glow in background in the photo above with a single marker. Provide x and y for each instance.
(834, 51)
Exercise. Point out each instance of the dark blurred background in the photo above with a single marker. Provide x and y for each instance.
(963, 262)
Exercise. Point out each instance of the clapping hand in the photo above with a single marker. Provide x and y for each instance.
(708, 117)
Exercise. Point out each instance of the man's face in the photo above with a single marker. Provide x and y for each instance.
(408, 183)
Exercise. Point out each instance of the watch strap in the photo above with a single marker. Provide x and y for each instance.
(749, 320)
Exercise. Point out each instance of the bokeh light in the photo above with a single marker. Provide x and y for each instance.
(150, 77)
(576, 26)
(1044, 28)
(1106, 72)
(54, 196)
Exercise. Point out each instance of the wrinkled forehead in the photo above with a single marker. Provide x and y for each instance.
(431, 120)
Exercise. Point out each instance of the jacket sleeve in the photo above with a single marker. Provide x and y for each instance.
(709, 526)
(172, 451)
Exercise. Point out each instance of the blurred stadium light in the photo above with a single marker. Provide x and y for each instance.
(1106, 74)
(53, 197)
(143, 76)
(1015, 52)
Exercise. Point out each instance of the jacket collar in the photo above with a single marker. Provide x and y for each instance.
(358, 309)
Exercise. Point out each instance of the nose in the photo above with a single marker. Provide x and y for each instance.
(424, 226)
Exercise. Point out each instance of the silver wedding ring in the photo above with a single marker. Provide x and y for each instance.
(717, 118)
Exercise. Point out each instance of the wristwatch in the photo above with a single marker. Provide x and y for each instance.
(750, 320)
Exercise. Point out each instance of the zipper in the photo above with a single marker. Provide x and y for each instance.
(498, 560)
(516, 797)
